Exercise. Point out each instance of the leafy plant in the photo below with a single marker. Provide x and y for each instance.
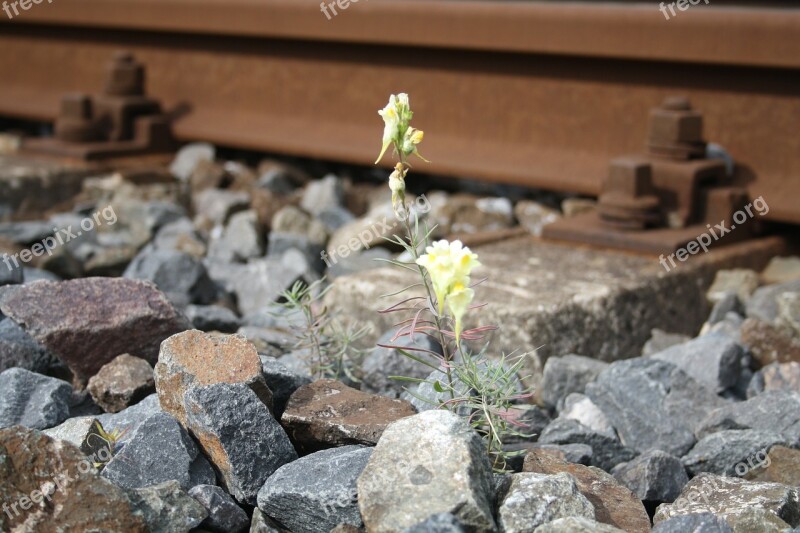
(473, 385)
(325, 343)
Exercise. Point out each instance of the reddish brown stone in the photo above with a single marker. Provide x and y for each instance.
(71, 495)
(614, 504)
(769, 343)
(88, 322)
(783, 467)
(123, 382)
(327, 413)
(194, 358)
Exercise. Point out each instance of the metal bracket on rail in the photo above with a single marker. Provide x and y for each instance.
(122, 121)
(659, 201)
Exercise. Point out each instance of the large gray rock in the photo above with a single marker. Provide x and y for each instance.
(775, 411)
(18, 349)
(32, 400)
(582, 409)
(282, 381)
(568, 374)
(322, 195)
(426, 464)
(381, 363)
(115, 316)
(159, 450)
(661, 340)
(128, 420)
(167, 508)
(317, 492)
(224, 515)
(654, 476)
(527, 500)
(713, 360)
(575, 524)
(607, 452)
(730, 452)
(764, 302)
(182, 277)
(632, 394)
(239, 435)
(734, 500)
(696, 522)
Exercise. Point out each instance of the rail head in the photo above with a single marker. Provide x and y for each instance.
(741, 36)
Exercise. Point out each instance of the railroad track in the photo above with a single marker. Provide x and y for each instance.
(534, 93)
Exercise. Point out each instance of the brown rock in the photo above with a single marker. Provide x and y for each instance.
(776, 376)
(71, 495)
(327, 413)
(121, 383)
(193, 358)
(783, 467)
(769, 343)
(88, 322)
(614, 504)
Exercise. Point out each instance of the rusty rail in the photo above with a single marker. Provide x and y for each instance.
(542, 94)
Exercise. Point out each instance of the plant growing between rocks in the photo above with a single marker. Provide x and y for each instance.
(326, 344)
(470, 383)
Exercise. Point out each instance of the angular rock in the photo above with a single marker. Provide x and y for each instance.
(423, 465)
(57, 489)
(242, 239)
(568, 374)
(733, 499)
(317, 492)
(167, 508)
(159, 450)
(81, 432)
(180, 236)
(215, 206)
(654, 476)
(583, 410)
(607, 452)
(690, 402)
(224, 514)
(239, 435)
(782, 465)
(696, 522)
(728, 304)
(574, 524)
(188, 157)
(775, 377)
(381, 363)
(328, 413)
(124, 381)
(128, 420)
(212, 318)
(323, 194)
(534, 216)
(281, 381)
(438, 523)
(32, 400)
(770, 343)
(781, 270)
(776, 411)
(661, 340)
(193, 359)
(742, 282)
(261, 523)
(789, 312)
(580, 454)
(18, 349)
(527, 500)
(632, 394)
(13, 275)
(614, 504)
(730, 452)
(763, 305)
(713, 360)
(182, 277)
(114, 316)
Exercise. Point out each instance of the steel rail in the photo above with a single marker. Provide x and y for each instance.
(538, 93)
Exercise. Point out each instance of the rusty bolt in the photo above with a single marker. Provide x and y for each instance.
(628, 200)
(676, 130)
(125, 76)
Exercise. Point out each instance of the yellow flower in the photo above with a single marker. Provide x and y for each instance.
(398, 186)
(448, 264)
(411, 139)
(458, 302)
(391, 121)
